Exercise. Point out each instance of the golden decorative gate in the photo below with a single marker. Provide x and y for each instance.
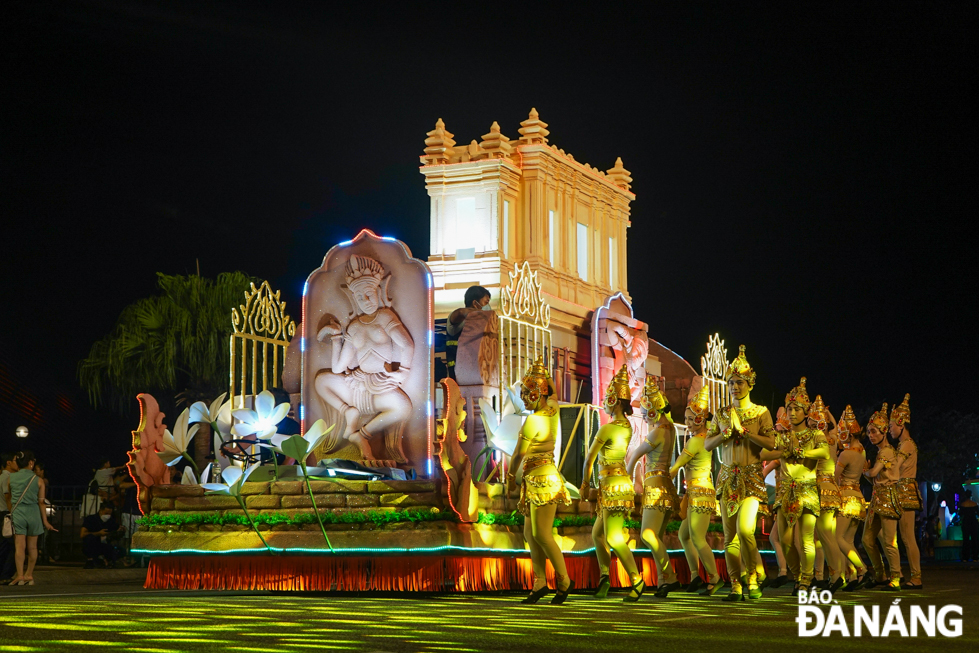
(262, 331)
(524, 332)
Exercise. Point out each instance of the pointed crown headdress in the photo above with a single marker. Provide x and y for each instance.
(651, 390)
(700, 404)
(363, 270)
(798, 395)
(537, 380)
(740, 368)
(879, 419)
(618, 387)
(847, 426)
(817, 413)
(901, 415)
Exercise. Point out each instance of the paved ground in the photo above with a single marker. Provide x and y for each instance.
(69, 611)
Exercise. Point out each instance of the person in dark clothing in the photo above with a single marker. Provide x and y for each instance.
(97, 531)
(969, 520)
(477, 299)
(7, 568)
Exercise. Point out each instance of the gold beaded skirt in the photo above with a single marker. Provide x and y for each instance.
(659, 493)
(908, 494)
(736, 483)
(829, 492)
(793, 497)
(617, 493)
(854, 505)
(886, 501)
(701, 496)
(542, 484)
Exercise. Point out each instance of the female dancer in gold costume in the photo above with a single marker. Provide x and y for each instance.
(616, 492)
(830, 500)
(907, 455)
(741, 430)
(797, 501)
(849, 466)
(701, 496)
(543, 486)
(659, 498)
(885, 505)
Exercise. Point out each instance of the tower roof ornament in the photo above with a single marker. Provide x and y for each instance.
(533, 129)
(438, 145)
(620, 176)
(495, 144)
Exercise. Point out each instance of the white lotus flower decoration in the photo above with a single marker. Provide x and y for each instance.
(503, 430)
(175, 444)
(218, 414)
(189, 478)
(233, 478)
(263, 420)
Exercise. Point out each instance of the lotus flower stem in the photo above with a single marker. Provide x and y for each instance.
(190, 459)
(275, 461)
(316, 510)
(241, 502)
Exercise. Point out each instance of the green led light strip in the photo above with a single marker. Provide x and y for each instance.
(339, 552)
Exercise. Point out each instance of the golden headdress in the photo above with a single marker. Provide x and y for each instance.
(879, 419)
(798, 395)
(817, 413)
(739, 367)
(618, 388)
(650, 391)
(901, 415)
(537, 381)
(847, 426)
(700, 405)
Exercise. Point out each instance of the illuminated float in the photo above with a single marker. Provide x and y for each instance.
(399, 481)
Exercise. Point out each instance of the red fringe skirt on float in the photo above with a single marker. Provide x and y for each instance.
(384, 573)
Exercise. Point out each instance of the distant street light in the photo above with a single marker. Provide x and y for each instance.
(22, 432)
(936, 487)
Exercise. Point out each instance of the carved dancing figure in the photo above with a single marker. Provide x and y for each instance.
(371, 360)
(543, 486)
(736, 429)
(908, 492)
(144, 465)
(449, 434)
(885, 505)
(701, 496)
(617, 496)
(850, 464)
(797, 502)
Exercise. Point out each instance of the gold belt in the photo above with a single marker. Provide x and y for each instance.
(613, 469)
(537, 460)
(850, 486)
(656, 472)
(822, 477)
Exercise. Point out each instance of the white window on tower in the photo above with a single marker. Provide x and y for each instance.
(582, 238)
(465, 224)
(506, 229)
(611, 262)
(551, 237)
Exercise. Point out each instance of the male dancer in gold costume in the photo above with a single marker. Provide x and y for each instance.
(740, 486)
(543, 486)
(659, 498)
(797, 501)
(910, 496)
(885, 505)
(701, 495)
(616, 491)
(849, 466)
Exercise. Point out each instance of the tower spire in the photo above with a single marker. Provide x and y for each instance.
(619, 175)
(533, 129)
(438, 145)
(495, 144)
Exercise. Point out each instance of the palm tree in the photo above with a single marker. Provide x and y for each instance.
(174, 342)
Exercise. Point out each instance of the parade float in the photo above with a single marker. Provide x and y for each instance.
(393, 479)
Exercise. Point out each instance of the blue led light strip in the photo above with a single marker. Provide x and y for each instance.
(338, 552)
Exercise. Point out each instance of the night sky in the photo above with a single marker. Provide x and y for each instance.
(801, 179)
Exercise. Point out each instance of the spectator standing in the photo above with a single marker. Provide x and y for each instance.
(105, 479)
(30, 516)
(969, 520)
(477, 298)
(130, 513)
(97, 530)
(7, 467)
